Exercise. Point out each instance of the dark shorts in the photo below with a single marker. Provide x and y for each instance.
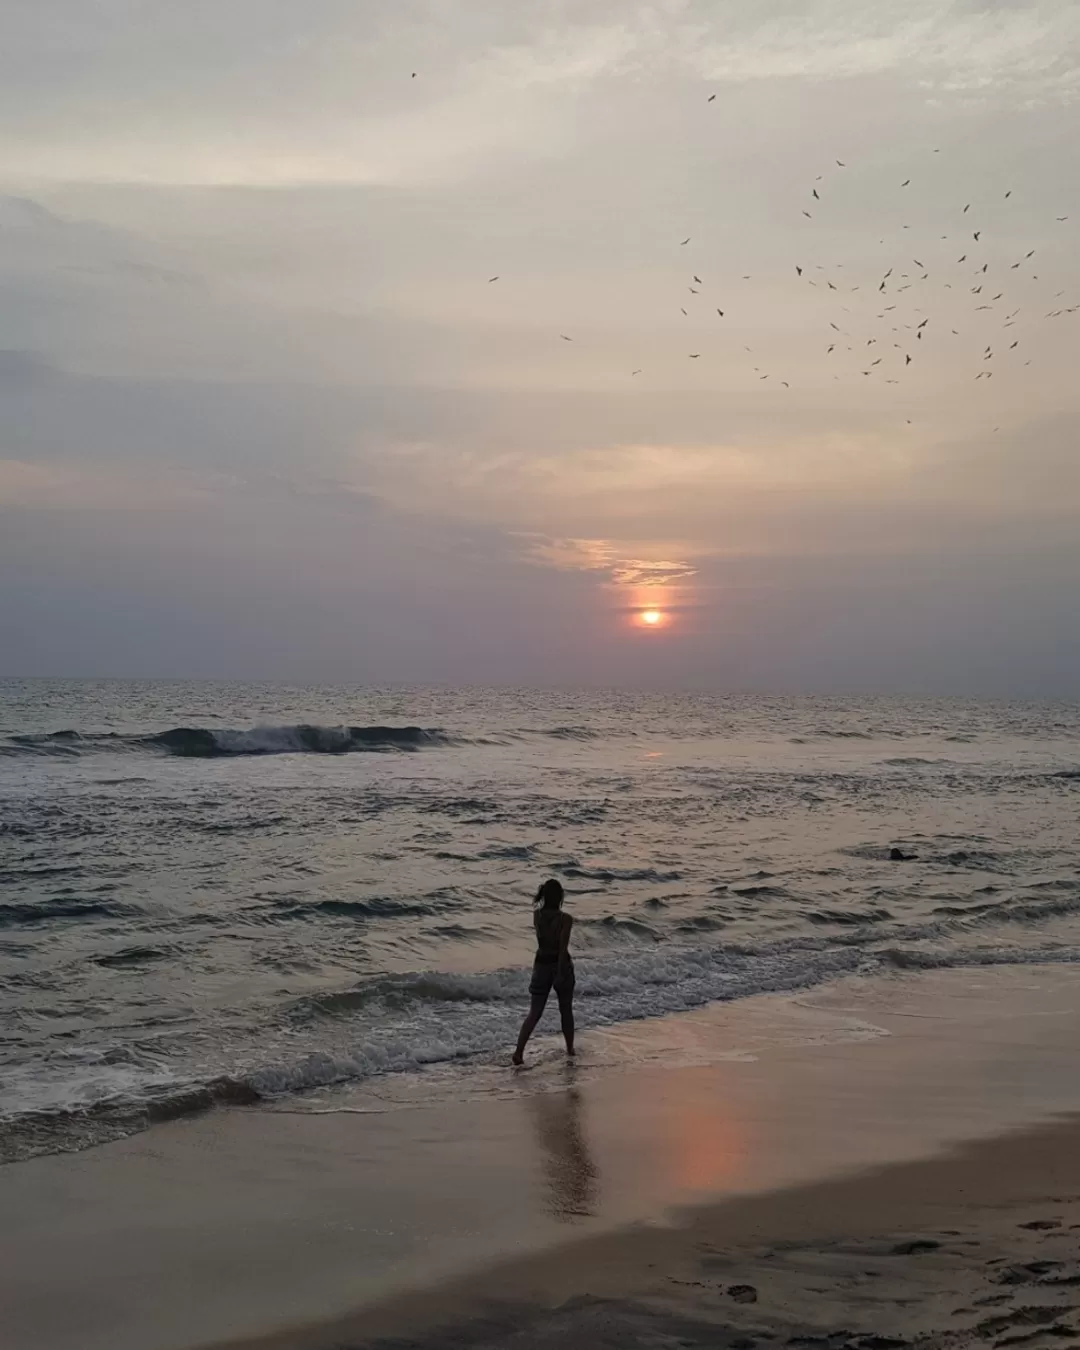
(548, 975)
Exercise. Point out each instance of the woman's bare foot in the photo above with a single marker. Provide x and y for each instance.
(571, 1051)
(517, 1058)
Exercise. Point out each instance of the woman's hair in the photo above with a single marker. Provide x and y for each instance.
(550, 895)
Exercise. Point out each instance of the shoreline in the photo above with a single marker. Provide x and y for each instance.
(263, 1226)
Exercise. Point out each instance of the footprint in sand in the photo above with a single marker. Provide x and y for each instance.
(915, 1246)
(743, 1293)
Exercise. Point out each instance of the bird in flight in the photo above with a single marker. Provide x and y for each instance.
(905, 182)
(841, 164)
(698, 280)
(966, 209)
(1063, 218)
(808, 215)
(798, 270)
(694, 356)
(565, 338)
(687, 239)
(977, 233)
(710, 98)
(907, 360)
(1008, 194)
(815, 192)
(720, 312)
(636, 372)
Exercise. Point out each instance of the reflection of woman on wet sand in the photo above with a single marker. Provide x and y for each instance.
(552, 968)
(568, 1168)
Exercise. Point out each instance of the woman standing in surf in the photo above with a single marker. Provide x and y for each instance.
(552, 968)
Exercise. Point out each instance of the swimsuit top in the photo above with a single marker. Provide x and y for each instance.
(548, 924)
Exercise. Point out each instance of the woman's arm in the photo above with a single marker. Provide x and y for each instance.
(564, 936)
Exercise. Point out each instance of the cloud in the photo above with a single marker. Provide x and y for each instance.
(603, 558)
(248, 95)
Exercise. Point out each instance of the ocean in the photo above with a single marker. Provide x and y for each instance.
(216, 893)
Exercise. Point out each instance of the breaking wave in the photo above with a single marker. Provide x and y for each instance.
(401, 1023)
(214, 742)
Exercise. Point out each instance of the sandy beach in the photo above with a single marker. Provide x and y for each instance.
(775, 1170)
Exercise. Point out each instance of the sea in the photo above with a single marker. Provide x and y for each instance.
(229, 893)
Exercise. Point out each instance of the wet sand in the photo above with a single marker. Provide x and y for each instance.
(978, 1247)
(773, 1144)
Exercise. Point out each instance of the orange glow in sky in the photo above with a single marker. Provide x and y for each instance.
(652, 617)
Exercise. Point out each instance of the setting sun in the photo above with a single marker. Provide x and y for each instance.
(652, 617)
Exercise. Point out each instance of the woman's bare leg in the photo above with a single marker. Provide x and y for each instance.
(566, 1013)
(539, 1002)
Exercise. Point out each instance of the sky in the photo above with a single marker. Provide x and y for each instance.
(264, 414)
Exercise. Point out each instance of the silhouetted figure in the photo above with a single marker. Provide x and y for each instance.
(552, 967)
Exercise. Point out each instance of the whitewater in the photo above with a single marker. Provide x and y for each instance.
(230, 893)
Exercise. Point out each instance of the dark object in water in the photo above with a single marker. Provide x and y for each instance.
(898, 855)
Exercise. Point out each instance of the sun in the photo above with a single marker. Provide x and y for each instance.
(651, 617)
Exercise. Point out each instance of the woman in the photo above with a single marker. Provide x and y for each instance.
(552, 968)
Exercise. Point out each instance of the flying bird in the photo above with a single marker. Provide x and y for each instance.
(816, 198)
(798, 270)
(694, 356)
(905, 182)
(491, 279)
(1008, 194)
(966, 209)
(710, 98)
(907, 360)
(808, 215)
(977, 233)
(720, 312)
(698, 280)
(1062, 217)
(683, 310)
(686, 240)
(565, 338)
(693, 290)
(785, 384)
(963, 259)
(841, 164)
(636, 372)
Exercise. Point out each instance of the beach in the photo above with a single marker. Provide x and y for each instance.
(862, 1161)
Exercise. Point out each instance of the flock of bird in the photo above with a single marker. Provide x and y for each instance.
(878, 325)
